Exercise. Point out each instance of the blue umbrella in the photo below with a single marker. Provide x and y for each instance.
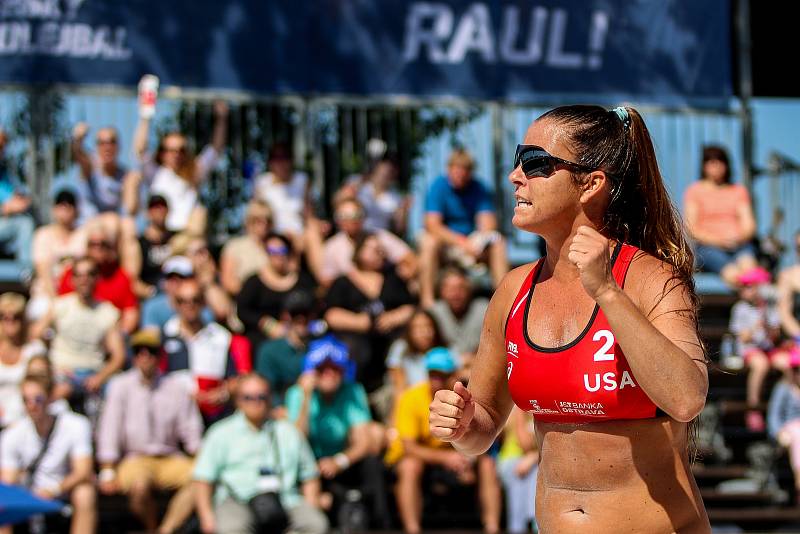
(18, 504)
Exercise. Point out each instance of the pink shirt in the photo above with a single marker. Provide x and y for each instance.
(338, 252)
(718, 208)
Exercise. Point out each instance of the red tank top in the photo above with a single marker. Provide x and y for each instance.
(587, 380)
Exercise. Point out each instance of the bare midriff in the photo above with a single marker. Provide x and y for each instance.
(617, 476)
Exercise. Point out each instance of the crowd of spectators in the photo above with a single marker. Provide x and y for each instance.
(282, 380)
(285, 379)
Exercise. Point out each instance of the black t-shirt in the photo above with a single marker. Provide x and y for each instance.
(154, 254)
(256, 300)
(344, 294)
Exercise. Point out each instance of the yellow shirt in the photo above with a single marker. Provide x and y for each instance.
(411, 418)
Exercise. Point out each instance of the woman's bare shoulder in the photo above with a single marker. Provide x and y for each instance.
(651, 280)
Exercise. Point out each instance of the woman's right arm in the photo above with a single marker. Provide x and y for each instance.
(488, 396)
(789, 323)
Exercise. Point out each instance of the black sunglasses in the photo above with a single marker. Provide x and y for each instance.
(536, 161)
(255, 398)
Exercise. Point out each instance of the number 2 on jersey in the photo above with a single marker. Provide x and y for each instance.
(603, 354)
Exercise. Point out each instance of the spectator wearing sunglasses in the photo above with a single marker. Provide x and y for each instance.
(147, 422)
(174, 173)
(245, 255)
(16, 223)
(230, 472)
(460, 225)
(337, 253)
(368, 308)
(261, 300)
(113, 284)
(200, 351)
(719, 218)
(144, 260)
(85, 329)
(63, 469)
(55, 246)
(331, 410)
(15, 353)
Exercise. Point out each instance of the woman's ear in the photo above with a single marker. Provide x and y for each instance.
(595, 187)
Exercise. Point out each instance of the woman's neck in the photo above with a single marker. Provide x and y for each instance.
(9, 351)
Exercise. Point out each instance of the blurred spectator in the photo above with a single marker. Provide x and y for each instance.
(518, 464)
(368, 307)
(101, 173)
(112, 283)
(265, 456)
(719, 218)
(460, 224)
(144, 261)
(261, 300)
(51, 455)
(756, 325)
(85, 331)
(789, 300)
(281, 360)
(783, 419)
(174, 173)
(55, 246)
(157, 310)
(286, 191)
(15, 352)
(338, 250)
(246, 255)
(406, 359)
(16, 223)
(146, 419)
(385, 208)
(200, 351)
(41, 366)
(333, 413)
(458, 314)
(205, 272)
(437, 461)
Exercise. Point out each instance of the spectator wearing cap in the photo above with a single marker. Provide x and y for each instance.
(51, 455)
(755, 322)
(16, 223)
(159, 309)
(281, 360)
(421, 454)
(460, 222)
(147, 422)
(337, 252)
(55, 246)
(249, 453)
(260, 302)
(245, 255)
(145, 259)
(200, 351)
(113, 284)
(287, 192)
(85, 331)
(332, 411)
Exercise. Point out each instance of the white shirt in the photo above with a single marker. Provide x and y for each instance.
(81, 330)
(11, 407)
(71, 439)
(287, 200)
(379, 208)
(181, 194)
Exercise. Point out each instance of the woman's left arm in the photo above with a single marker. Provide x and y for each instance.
(748, 221)
(657, 331)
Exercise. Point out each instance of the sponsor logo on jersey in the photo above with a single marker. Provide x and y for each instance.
(536, 409)
(512, 349)
(581, 408)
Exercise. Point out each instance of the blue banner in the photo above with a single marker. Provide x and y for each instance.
(661, 51)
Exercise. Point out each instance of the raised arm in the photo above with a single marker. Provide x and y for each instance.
(660, 321)
(140, 136)
(219, 137)
(79, 154)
